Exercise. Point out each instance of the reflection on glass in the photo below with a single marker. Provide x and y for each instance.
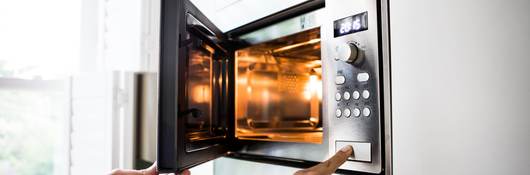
(199, 93)
(279, 90)
(204, 125)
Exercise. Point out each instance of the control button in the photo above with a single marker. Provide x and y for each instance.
(361, 150)
(356, 95)
(362, 77)
(337, 96)
(347, 52)
(366, 94)
(366, 112)
(346, 95)
(347, 112)
(338, 113)
(356, 112)
(340, 79)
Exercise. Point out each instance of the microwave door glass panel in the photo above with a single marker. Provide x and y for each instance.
(199, 90)
(199, 124)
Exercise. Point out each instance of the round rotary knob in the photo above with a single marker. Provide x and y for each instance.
(349, 53)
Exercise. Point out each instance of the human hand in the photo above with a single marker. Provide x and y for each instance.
(152, 170)
(330, 165)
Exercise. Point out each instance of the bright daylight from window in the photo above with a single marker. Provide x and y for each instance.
(39, 48)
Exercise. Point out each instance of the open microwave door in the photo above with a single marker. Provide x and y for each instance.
(194, 96)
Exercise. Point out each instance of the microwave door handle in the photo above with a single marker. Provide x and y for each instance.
(203, 30)
(199, 26)
(205, 33)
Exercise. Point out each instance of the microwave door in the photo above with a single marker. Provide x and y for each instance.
(193, 113)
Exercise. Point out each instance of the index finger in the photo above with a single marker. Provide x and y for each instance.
(333, 163)
(339, 158)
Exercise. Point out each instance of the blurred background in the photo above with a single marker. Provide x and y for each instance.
(78, 85)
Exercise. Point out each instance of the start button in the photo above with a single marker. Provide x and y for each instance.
(361, 150)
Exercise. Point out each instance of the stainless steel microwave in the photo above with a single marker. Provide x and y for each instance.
(290, 88)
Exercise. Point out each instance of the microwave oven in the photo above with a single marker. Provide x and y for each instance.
(290, 88)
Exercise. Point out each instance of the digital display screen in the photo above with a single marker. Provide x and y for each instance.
(350, 24)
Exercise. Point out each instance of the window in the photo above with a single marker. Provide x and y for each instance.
(39, 45)
(32, 127)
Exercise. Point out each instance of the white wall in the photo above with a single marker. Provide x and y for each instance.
(91, 122)
(461, 86)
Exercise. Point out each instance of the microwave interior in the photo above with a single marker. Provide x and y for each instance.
(278, 92)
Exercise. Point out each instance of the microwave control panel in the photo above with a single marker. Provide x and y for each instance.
(354, 98)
